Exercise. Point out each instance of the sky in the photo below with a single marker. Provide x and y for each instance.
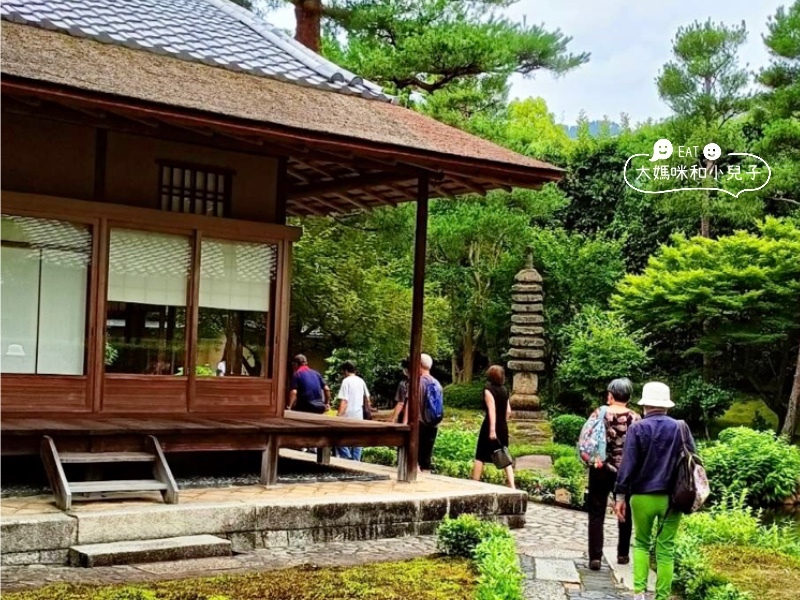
(629, 42)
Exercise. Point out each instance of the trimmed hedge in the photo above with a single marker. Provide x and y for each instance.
(464, 395)
(567, 429)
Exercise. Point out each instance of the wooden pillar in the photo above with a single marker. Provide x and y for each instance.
(269, 462)
(408, 470)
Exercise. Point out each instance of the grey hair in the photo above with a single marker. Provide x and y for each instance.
(621, 389)
(426, 361)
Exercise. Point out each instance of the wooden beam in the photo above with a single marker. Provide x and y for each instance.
(100, 156)
(348, 183)
(418, 302)
(280, 190)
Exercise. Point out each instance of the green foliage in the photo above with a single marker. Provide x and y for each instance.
(460, 536)
(464, 395)
(380, 455)
(499, 573)
(763, 467)
(760, 423)
(128, 593)
(455, 444)
(554, 451)
(567, 429)
(598, 348)
(734, 298)
(699, 403)
(432, 45)
(569, 467)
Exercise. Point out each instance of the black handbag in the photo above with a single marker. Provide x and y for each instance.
(502, 457)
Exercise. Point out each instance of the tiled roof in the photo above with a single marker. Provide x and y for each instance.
(215, 32)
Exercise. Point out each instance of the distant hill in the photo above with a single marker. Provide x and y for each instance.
(594, 129)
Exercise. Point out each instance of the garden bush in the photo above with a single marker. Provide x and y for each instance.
(699, 403)
(569, 467)
(464, 395)
(764, 467)
(567, 429)
(500, 576)
(554, 451)
(380, 455)
(455, 444)
(460, 536)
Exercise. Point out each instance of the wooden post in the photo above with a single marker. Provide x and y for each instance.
(408, 471)
(269, 462)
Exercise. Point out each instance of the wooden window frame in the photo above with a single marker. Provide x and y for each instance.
(102, 217)
(166, 191)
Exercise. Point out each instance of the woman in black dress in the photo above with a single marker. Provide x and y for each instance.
(494, 430)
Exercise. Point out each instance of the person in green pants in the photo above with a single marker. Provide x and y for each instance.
(652, 449)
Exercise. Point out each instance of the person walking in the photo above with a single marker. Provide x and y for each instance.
(618, 420)
(494, 429)
(353, 396)
(401, 395)
(428, 384)
(652, 449)
(308, 390)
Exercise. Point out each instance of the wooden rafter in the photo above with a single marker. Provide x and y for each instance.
(347, 183)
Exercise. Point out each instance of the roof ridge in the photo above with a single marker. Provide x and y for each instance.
(330, 70)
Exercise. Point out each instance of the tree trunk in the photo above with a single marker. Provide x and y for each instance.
(308, 15)
(790, 424)
(705, 226)
(469, 353)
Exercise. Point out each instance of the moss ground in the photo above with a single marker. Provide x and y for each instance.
(765, 575)
(419, 579)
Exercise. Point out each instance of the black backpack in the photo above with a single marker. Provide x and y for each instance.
(690, 484)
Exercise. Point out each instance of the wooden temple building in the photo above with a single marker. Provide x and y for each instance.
(151, 154)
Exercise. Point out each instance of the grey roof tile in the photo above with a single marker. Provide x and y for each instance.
(210, 31)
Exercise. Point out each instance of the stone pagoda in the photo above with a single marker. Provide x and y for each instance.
(527, 338)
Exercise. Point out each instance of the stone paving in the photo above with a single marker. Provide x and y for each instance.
(552, 548)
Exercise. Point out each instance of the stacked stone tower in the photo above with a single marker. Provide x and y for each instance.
(527, 338)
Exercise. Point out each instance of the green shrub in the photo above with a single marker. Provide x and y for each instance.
(569, 467)
(455, 444)
(699, 403)
(500, 576)
(554, 451)
(380, 455)
(127, 593)
(464, 395)
(759, 423)
(764, 467)
(567, 429)
(460, 536)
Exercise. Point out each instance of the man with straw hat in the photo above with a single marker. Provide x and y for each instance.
(652, 449)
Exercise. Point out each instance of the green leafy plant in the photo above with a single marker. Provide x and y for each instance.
(762, 466)
(380, 455)
(567, 429)
(698, 402)
(500, 576)
(110, 354)
(464, 395)
(460, 536)
(455, 444)
(760, 423)
(569, 467)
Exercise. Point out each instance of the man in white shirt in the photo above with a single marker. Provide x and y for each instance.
(353, 395)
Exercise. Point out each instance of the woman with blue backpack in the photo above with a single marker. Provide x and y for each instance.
(601, 448)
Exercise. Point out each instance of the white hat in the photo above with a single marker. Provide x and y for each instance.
(656, 394)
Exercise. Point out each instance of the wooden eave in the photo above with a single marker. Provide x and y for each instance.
(327, 173)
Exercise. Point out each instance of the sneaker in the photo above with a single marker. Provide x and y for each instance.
(594, 565)
(623, 560)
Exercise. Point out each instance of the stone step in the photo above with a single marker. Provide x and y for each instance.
(145, 551)
(529, 415)
(623, 574)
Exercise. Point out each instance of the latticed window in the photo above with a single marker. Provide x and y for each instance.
(195, 189)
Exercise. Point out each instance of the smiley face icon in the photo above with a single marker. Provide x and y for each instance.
(662, 150)
(712, 151)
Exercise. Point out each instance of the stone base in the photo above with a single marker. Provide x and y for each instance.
(527, 402)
